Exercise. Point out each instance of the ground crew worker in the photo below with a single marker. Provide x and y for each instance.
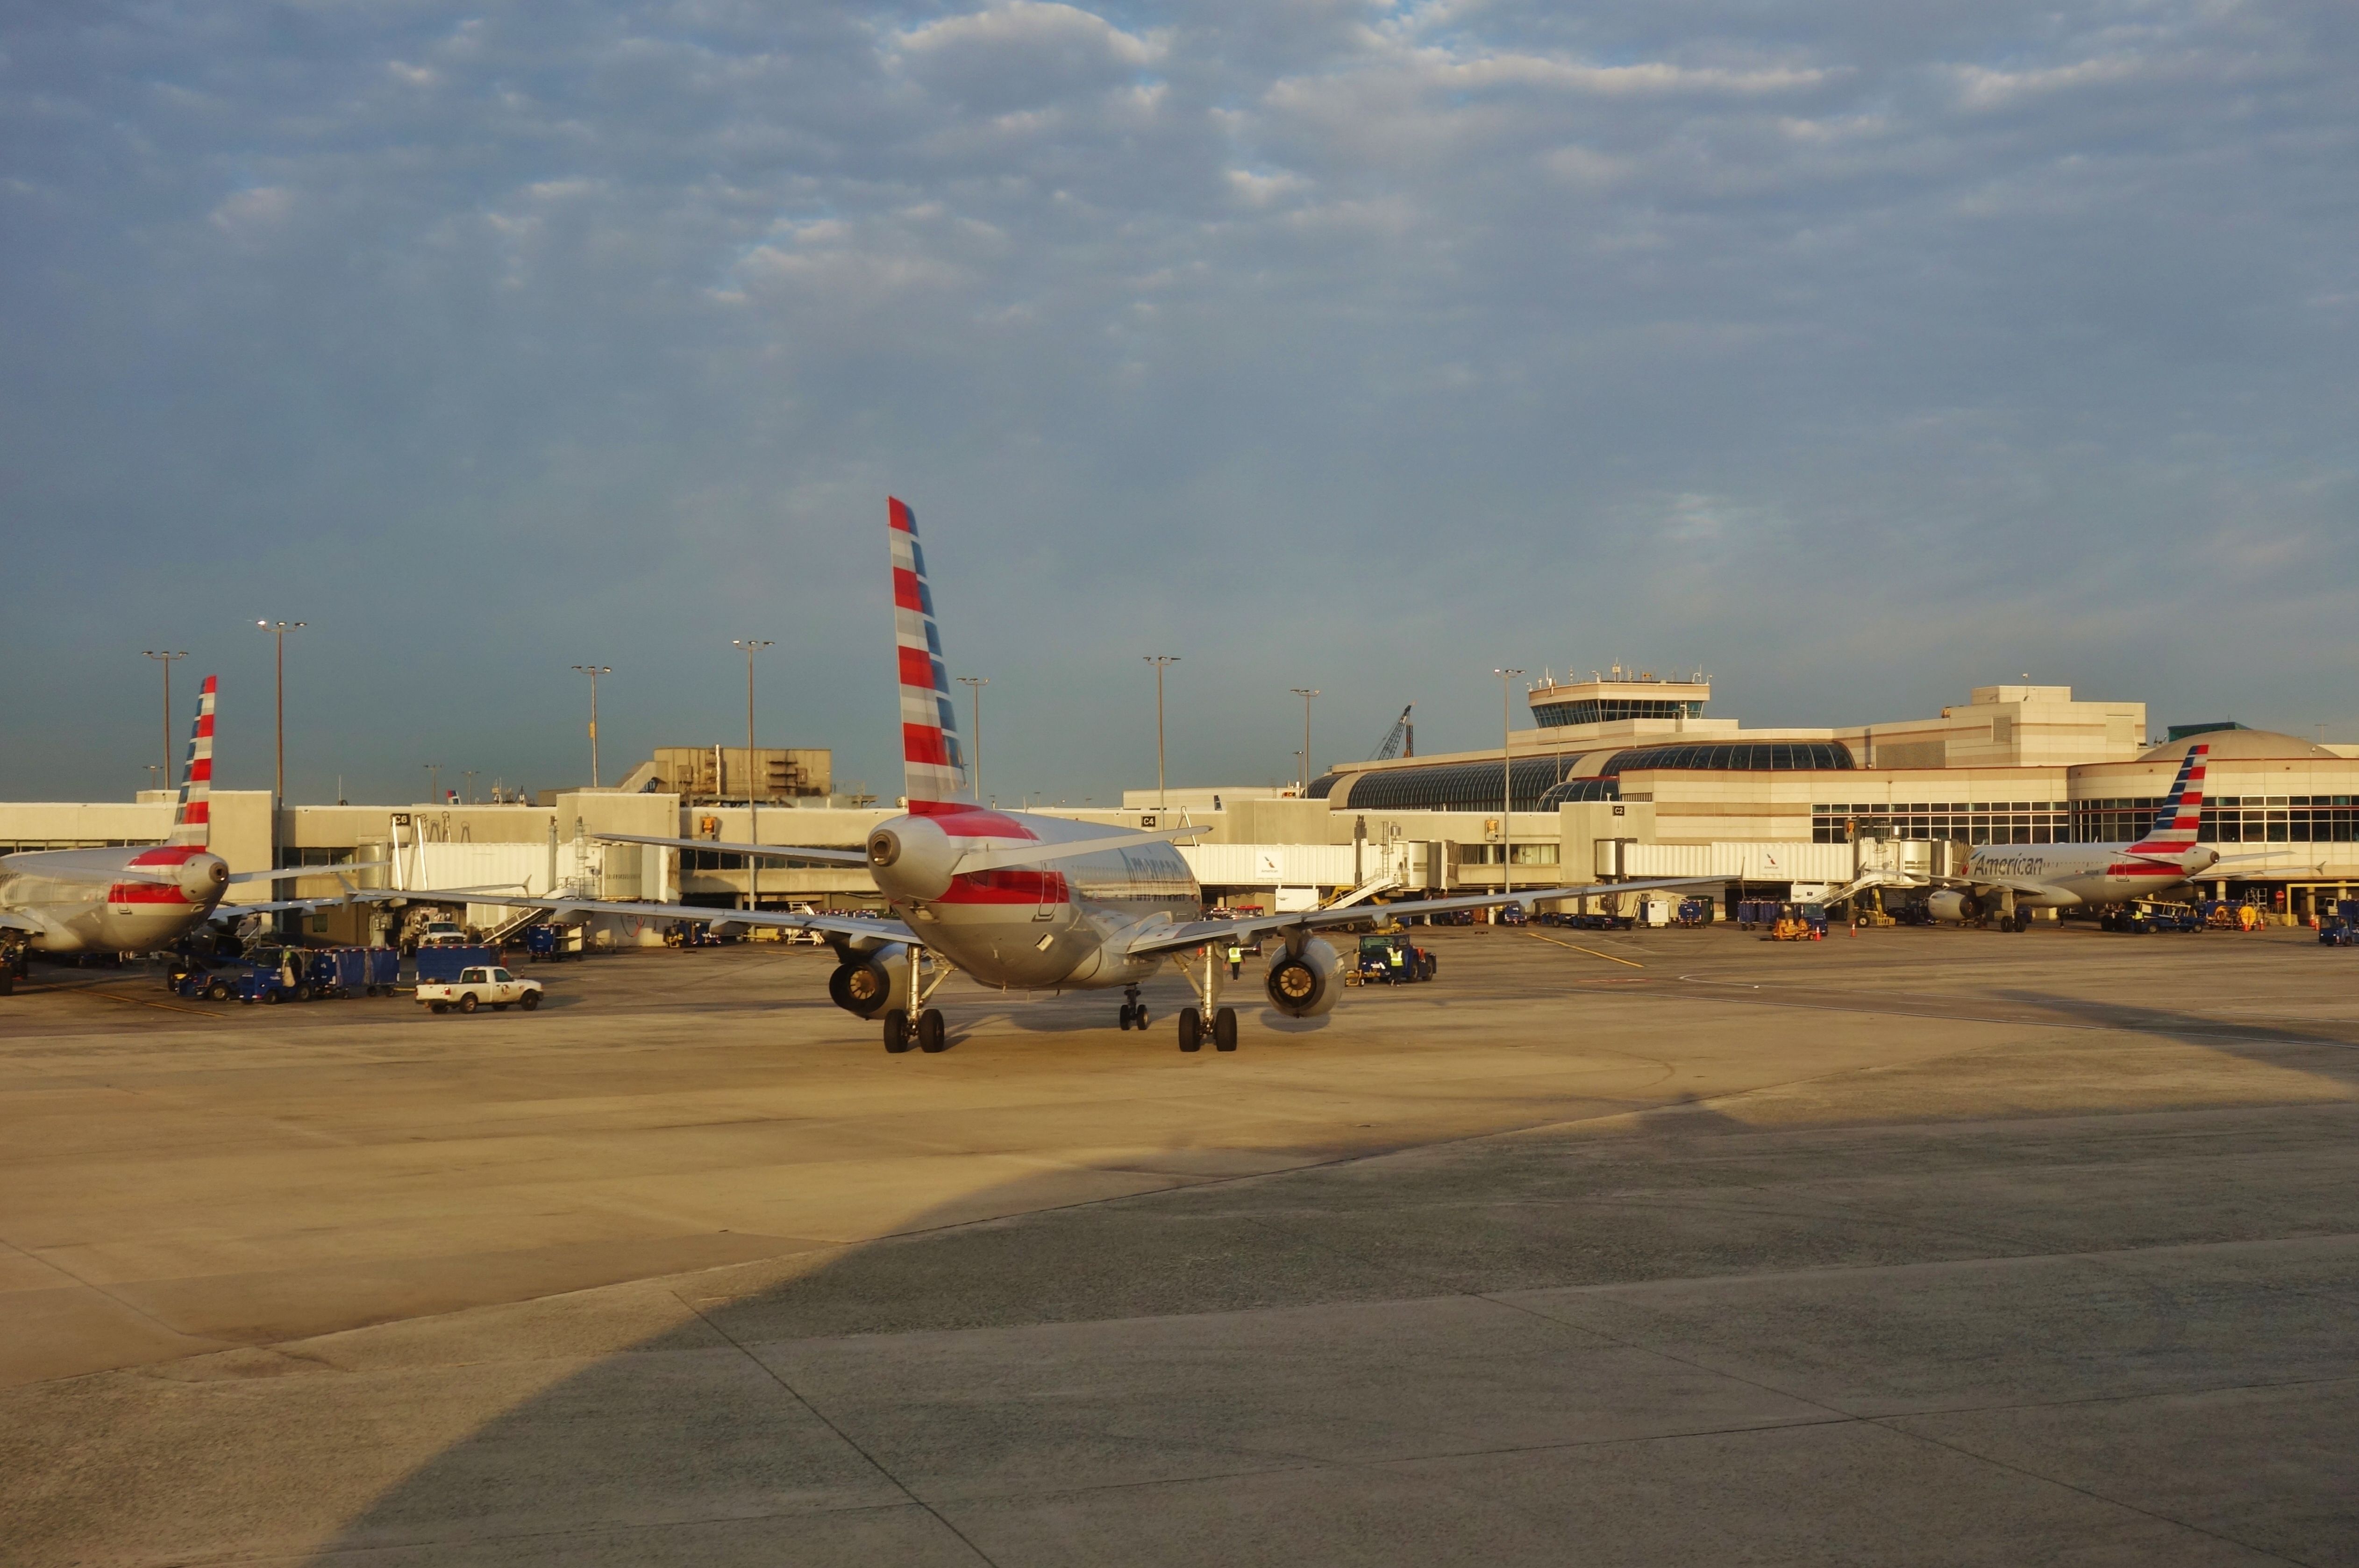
(1236, 960)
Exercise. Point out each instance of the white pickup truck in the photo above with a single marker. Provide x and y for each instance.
(486, 987)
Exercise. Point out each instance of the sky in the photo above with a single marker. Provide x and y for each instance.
(1856, 354)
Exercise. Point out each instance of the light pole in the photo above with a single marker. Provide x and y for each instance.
(753, 832)
(593, 671)
(1506, 780)
(471, 784)
(1159, 661)
(433, 781)
(166, 658)
(278, 630)
(1306, 693)
(975, 684)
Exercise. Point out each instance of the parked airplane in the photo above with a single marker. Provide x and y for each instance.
(142, 897)
(2009, 880)
(1019, 900)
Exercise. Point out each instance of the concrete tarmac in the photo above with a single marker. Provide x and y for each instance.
(1923, 1247)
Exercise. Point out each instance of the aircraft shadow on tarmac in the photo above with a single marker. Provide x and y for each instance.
(2333, 1055)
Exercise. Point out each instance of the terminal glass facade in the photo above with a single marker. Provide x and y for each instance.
(1604, 709)
(1540, 785)
(1966, 821)
(2229, 819)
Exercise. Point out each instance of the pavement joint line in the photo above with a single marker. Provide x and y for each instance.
(2009, 1023)
(1886, 1423)
(132, 1308)
(617, 1527)
(1576, 947)
(841, 1435)
(105, 996)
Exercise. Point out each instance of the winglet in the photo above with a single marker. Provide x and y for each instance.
(192, 823)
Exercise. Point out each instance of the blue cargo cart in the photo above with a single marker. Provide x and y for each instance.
(441, 965)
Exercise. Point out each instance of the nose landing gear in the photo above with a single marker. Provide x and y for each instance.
(1134, 1011)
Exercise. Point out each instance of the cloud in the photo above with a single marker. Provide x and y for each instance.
(1366, 344)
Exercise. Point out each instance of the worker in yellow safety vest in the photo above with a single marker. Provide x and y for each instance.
(1236, 960)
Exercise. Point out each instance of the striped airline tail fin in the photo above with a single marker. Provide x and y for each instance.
(192, 823)
(2176, 823)
(933, 769)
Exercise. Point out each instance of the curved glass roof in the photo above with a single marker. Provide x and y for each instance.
(1539, 784)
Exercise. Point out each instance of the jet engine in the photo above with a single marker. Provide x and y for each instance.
(912, 858)
(1954, 907)
(1305, 984)
(869, 983)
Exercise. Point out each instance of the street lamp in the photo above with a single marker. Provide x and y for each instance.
(471, 783)
(752, 833)
(278, 630)
(975, 684)
(1306, 693)
(166, 658)
(433, 781)
(1506, 780)
(593, 671)
(1159, 661)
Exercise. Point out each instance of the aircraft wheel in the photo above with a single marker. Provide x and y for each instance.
(1224, 1029)
(1192, 1029)
(1127, 1012)
(1139, 1017)
(897, 1031)
(531, 1000)
(931, 1032)
(467, 1003)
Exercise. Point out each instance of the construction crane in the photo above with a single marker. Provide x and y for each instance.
(1402, 740)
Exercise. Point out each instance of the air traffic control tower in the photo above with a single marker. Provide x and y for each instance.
(1615, 696)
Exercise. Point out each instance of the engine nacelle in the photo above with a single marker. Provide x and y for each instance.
(1305, 984)
(1954, 907)
(873, 982)
(912, 858)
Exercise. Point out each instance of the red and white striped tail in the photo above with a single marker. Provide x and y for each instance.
(933, 769)
(192, 825)
(2175, 825)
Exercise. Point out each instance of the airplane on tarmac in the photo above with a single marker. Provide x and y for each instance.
(1022, 901)
(142, 897)
(2009, 880)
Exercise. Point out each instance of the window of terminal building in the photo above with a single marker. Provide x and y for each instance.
(289, 855)
(1967, 822)
(1604, 709)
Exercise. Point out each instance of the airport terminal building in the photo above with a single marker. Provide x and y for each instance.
(1623, 774)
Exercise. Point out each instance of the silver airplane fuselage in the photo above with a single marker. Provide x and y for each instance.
(81, 901)
(2078, 874)
(1033, 926)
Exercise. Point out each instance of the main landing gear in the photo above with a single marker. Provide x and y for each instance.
(1224, 1029)
(927, 1031)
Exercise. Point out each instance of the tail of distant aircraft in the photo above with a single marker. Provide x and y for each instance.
(933, 769)
(192, 823)
(2175, 825)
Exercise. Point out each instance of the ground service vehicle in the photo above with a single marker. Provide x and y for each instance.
(480, 985)
(1393, 961)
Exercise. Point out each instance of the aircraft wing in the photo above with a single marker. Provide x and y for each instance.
(2013, 884)
(1197, 933)
(783, 920)
(504, 893)
(766, 851)
(993, 857)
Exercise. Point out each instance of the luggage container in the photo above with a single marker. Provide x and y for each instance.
(383, 970)
(441, 965)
